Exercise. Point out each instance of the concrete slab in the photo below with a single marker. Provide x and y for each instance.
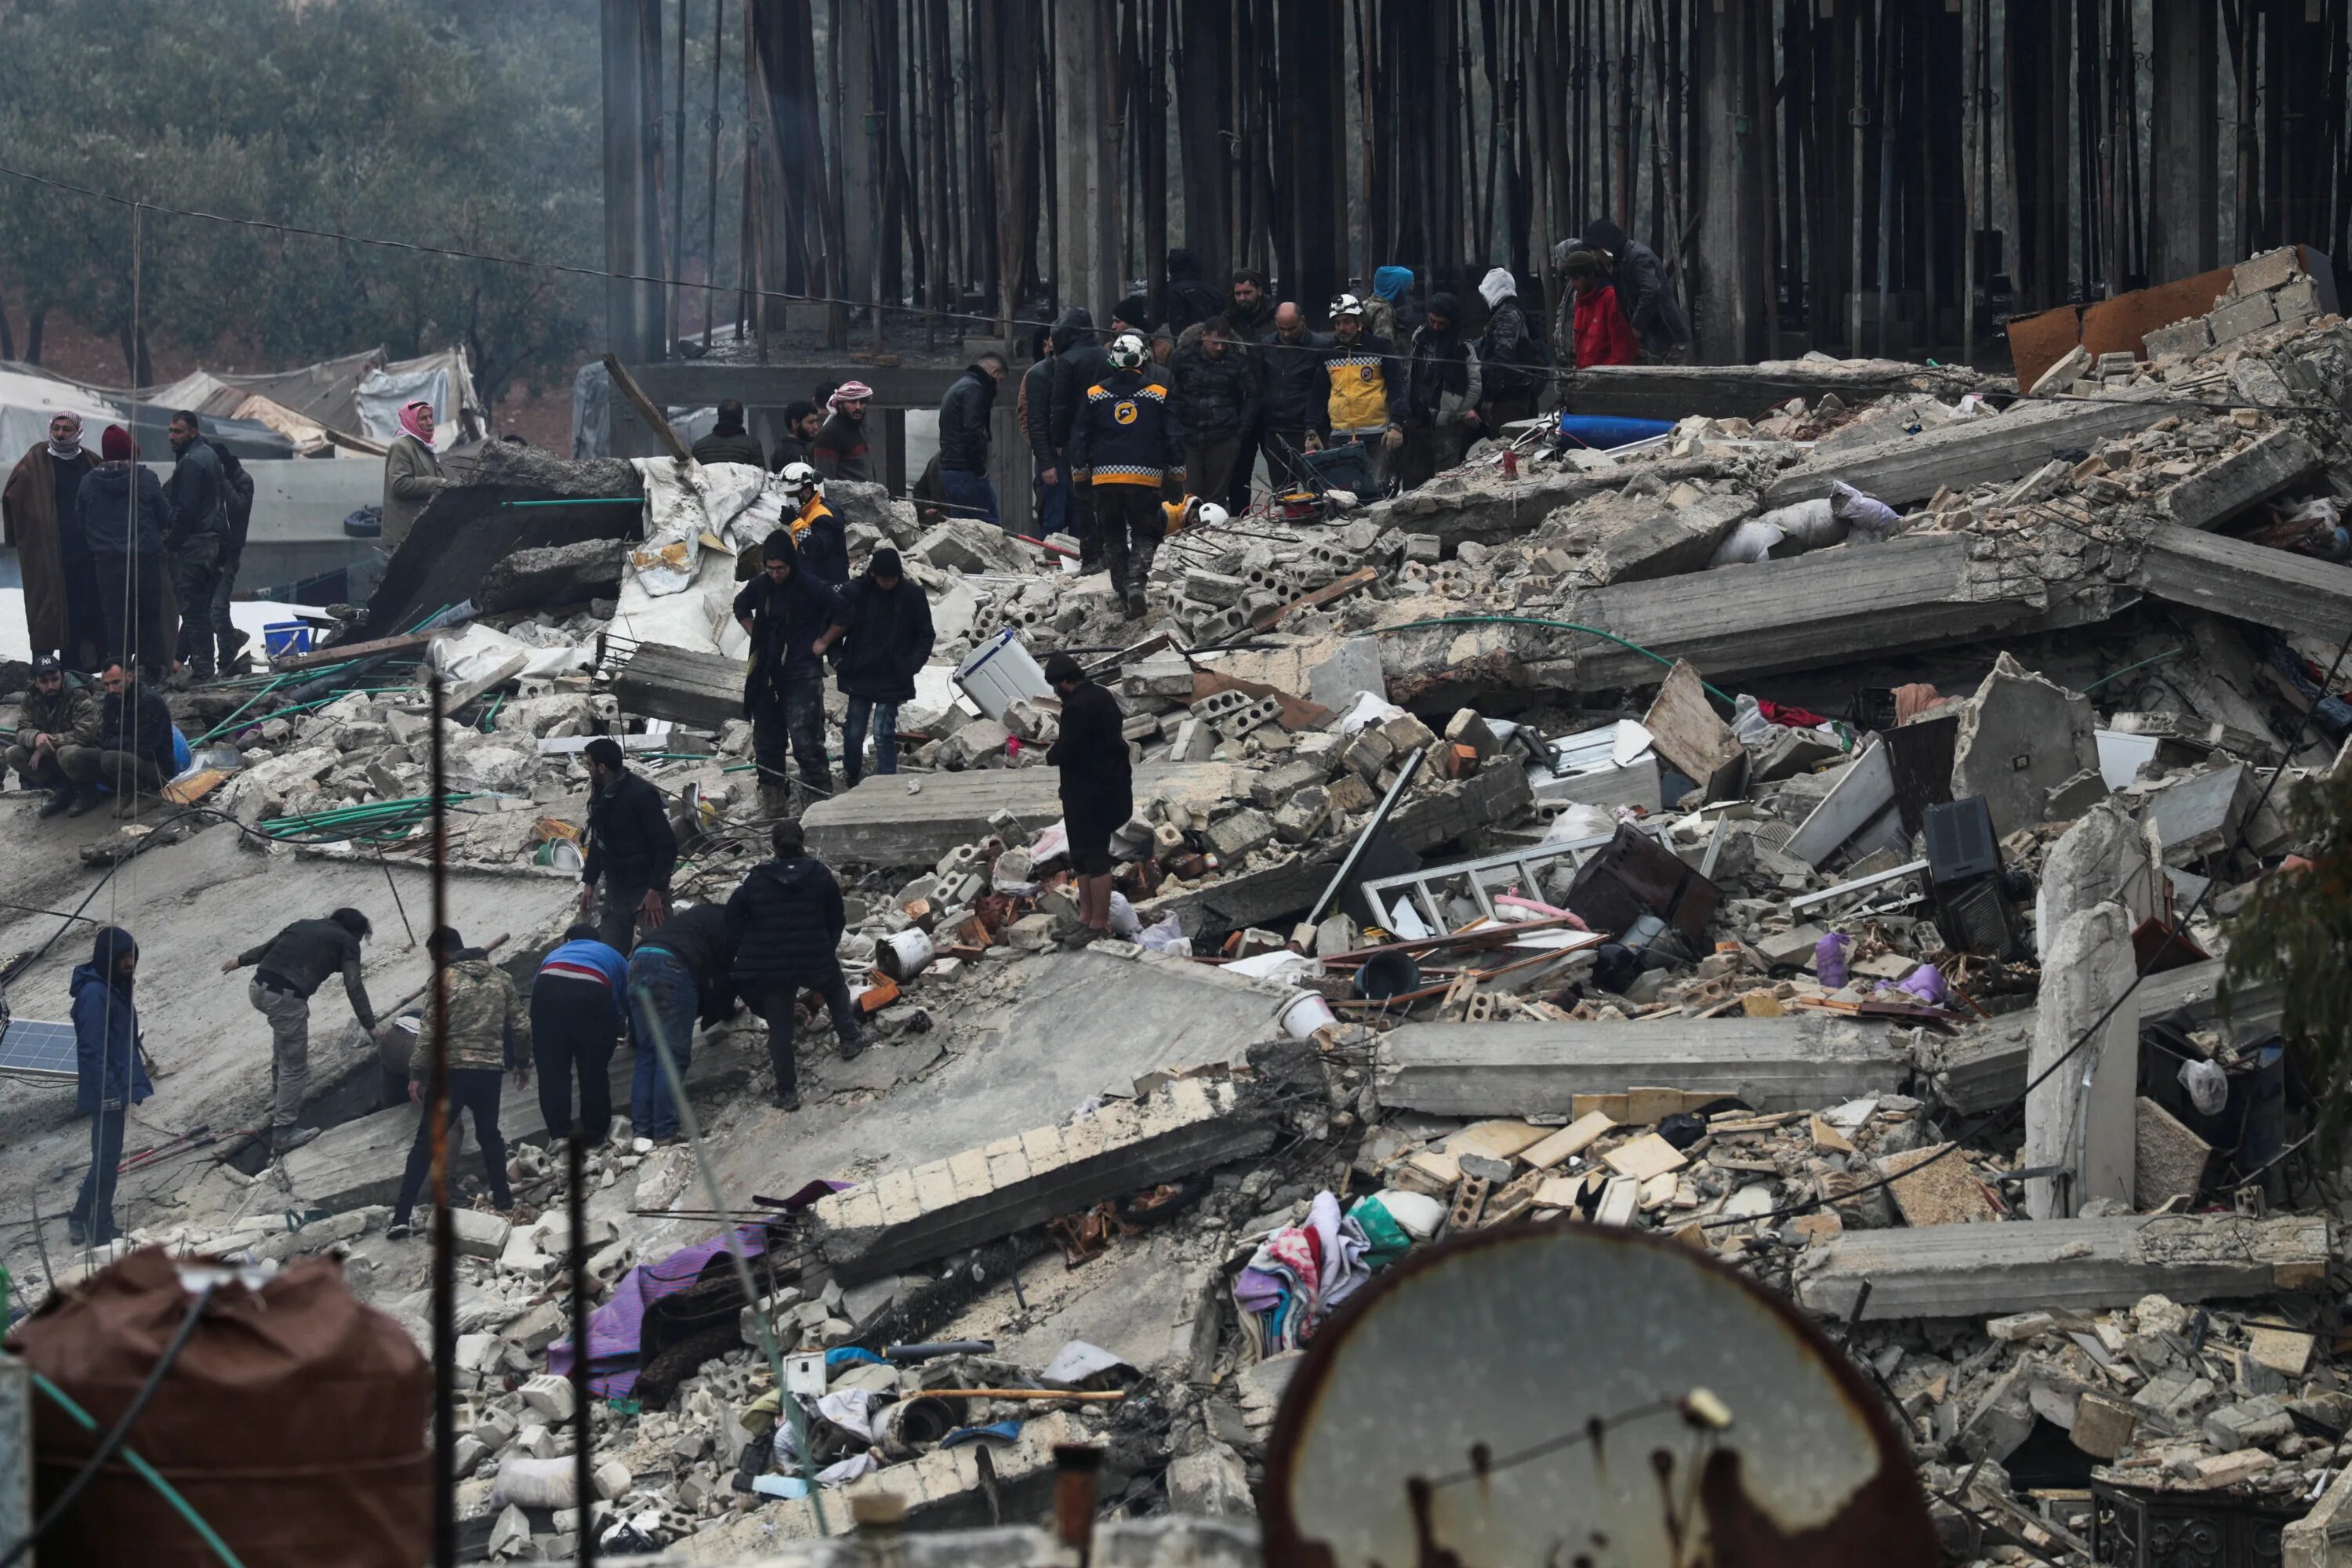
(1987, 450)
(1974, 1271)
(884, 821)
(1532, 1068)
(190, 905)
(2246, 582)
(2020, 737)
(2221, 490)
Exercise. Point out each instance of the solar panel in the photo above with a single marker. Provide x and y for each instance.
(35, 1050)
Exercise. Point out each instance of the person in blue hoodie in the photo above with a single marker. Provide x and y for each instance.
(112, 1078)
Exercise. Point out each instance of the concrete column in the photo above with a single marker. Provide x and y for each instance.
(1088, 179)
(2106, 858)
(1726, 266)
(2086, 1130)
(2184, 165)
(633, 311)
(861, 201)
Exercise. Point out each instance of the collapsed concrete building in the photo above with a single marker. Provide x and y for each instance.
(1656, 838)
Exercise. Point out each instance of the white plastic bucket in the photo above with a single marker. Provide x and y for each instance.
(905, 955)
(999, 673)
(1304, 1013)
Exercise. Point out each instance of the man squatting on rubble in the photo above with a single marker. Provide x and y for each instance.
(56, 747)
(489, 1035)
(784, 923)
(793, 619)
(288, 969)
(134, 738)
(631, 847)
(1097, 784)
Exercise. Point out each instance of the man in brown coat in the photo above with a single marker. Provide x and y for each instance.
(62, 610)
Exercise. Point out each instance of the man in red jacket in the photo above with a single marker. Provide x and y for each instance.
(1603, 336)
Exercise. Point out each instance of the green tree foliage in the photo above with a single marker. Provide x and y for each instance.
(441, 123)
(2295, 930)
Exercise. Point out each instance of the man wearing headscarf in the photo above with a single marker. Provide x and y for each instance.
(37, 517)
(1097, 784)
(839, 450)
(1383, 312)
(411, 474)
(109, 1075)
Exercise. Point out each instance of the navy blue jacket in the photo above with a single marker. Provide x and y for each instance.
(964, 421)
(106, 1043)
(786, 921)
(1125, 433)
(889, 638)
(786, 620)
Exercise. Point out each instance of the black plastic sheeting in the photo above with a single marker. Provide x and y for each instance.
(469, 528)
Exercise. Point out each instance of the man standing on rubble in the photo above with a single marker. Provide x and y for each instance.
(197, 535)
(123, 515)
(679, 981)
(1215, 397)
(785, 922)
(579, 1005)
(792, 618)
(236, 499)
(963, 440)
(287, 971)
(886, 639)
(38, 517)
(729, 441)
(1298, 392)
(631, 846)
(1441, 401)
(56, 731)
(1367, 388)
(110, 1076)
(839, 450)
(817, 533)
(1125, 450)
(1097, 784)
(1513, 358)
(1036, 407)
(489, 1035)
(411, 474)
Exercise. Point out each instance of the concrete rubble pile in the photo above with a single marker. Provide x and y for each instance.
(1716, 839)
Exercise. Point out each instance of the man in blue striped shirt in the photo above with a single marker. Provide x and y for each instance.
(578, 1006)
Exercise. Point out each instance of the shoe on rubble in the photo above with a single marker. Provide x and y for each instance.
(85, 801)
(285, 1140)
(59, 799)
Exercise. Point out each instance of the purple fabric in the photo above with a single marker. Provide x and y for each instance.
(1256, 1290)
(614, 1329)
(1926, 983)
(1829, 958)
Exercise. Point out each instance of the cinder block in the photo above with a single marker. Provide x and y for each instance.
(2297, 302)
(2258, 273)
(2181, 340)
(2238, 318)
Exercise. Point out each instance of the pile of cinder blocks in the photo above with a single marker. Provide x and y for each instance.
(2265, 292)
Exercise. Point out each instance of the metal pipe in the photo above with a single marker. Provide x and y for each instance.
(444, 1222)
(584, 1439)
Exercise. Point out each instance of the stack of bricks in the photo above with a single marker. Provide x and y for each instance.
(2265, 292)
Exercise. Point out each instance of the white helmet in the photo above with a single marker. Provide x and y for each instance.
(1209, 514)
(1345, 305)
(1126, 351)
(802, 481)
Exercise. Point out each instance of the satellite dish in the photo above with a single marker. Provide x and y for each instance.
(1580, 1396)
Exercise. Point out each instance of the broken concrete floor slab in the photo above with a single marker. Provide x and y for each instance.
(2246, 581)
(915, 1216)
(1974, 1271)
(1984, 450)
(1538, 1069)
(912, 819)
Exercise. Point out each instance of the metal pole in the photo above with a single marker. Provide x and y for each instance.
(1388, 803)
(584, 1440)
(711, 216)
(445, 1225)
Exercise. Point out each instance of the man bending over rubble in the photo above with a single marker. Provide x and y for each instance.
(1097, 784)
(288, 969)
(786, 922)
(489, 1036)
(679, 981)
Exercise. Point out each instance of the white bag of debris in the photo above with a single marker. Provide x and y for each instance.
(1164, 936)
(683, 502)
(526, 1482)
(1845, 513)
(478, 652)
(1866, 519)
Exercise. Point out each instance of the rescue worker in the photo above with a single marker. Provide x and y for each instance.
(792, 618)
(632, 848)
(1125, 446)
(489, 1035)
(817, 533)
(1367, 387)
(287, 971)
(785, 922)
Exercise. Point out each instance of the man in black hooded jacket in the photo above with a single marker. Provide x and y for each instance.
(792, 618)
(885, 638)
(785, 923)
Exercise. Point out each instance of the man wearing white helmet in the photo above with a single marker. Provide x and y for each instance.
(1126, 448)
(1368, 386)
(818, 534)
